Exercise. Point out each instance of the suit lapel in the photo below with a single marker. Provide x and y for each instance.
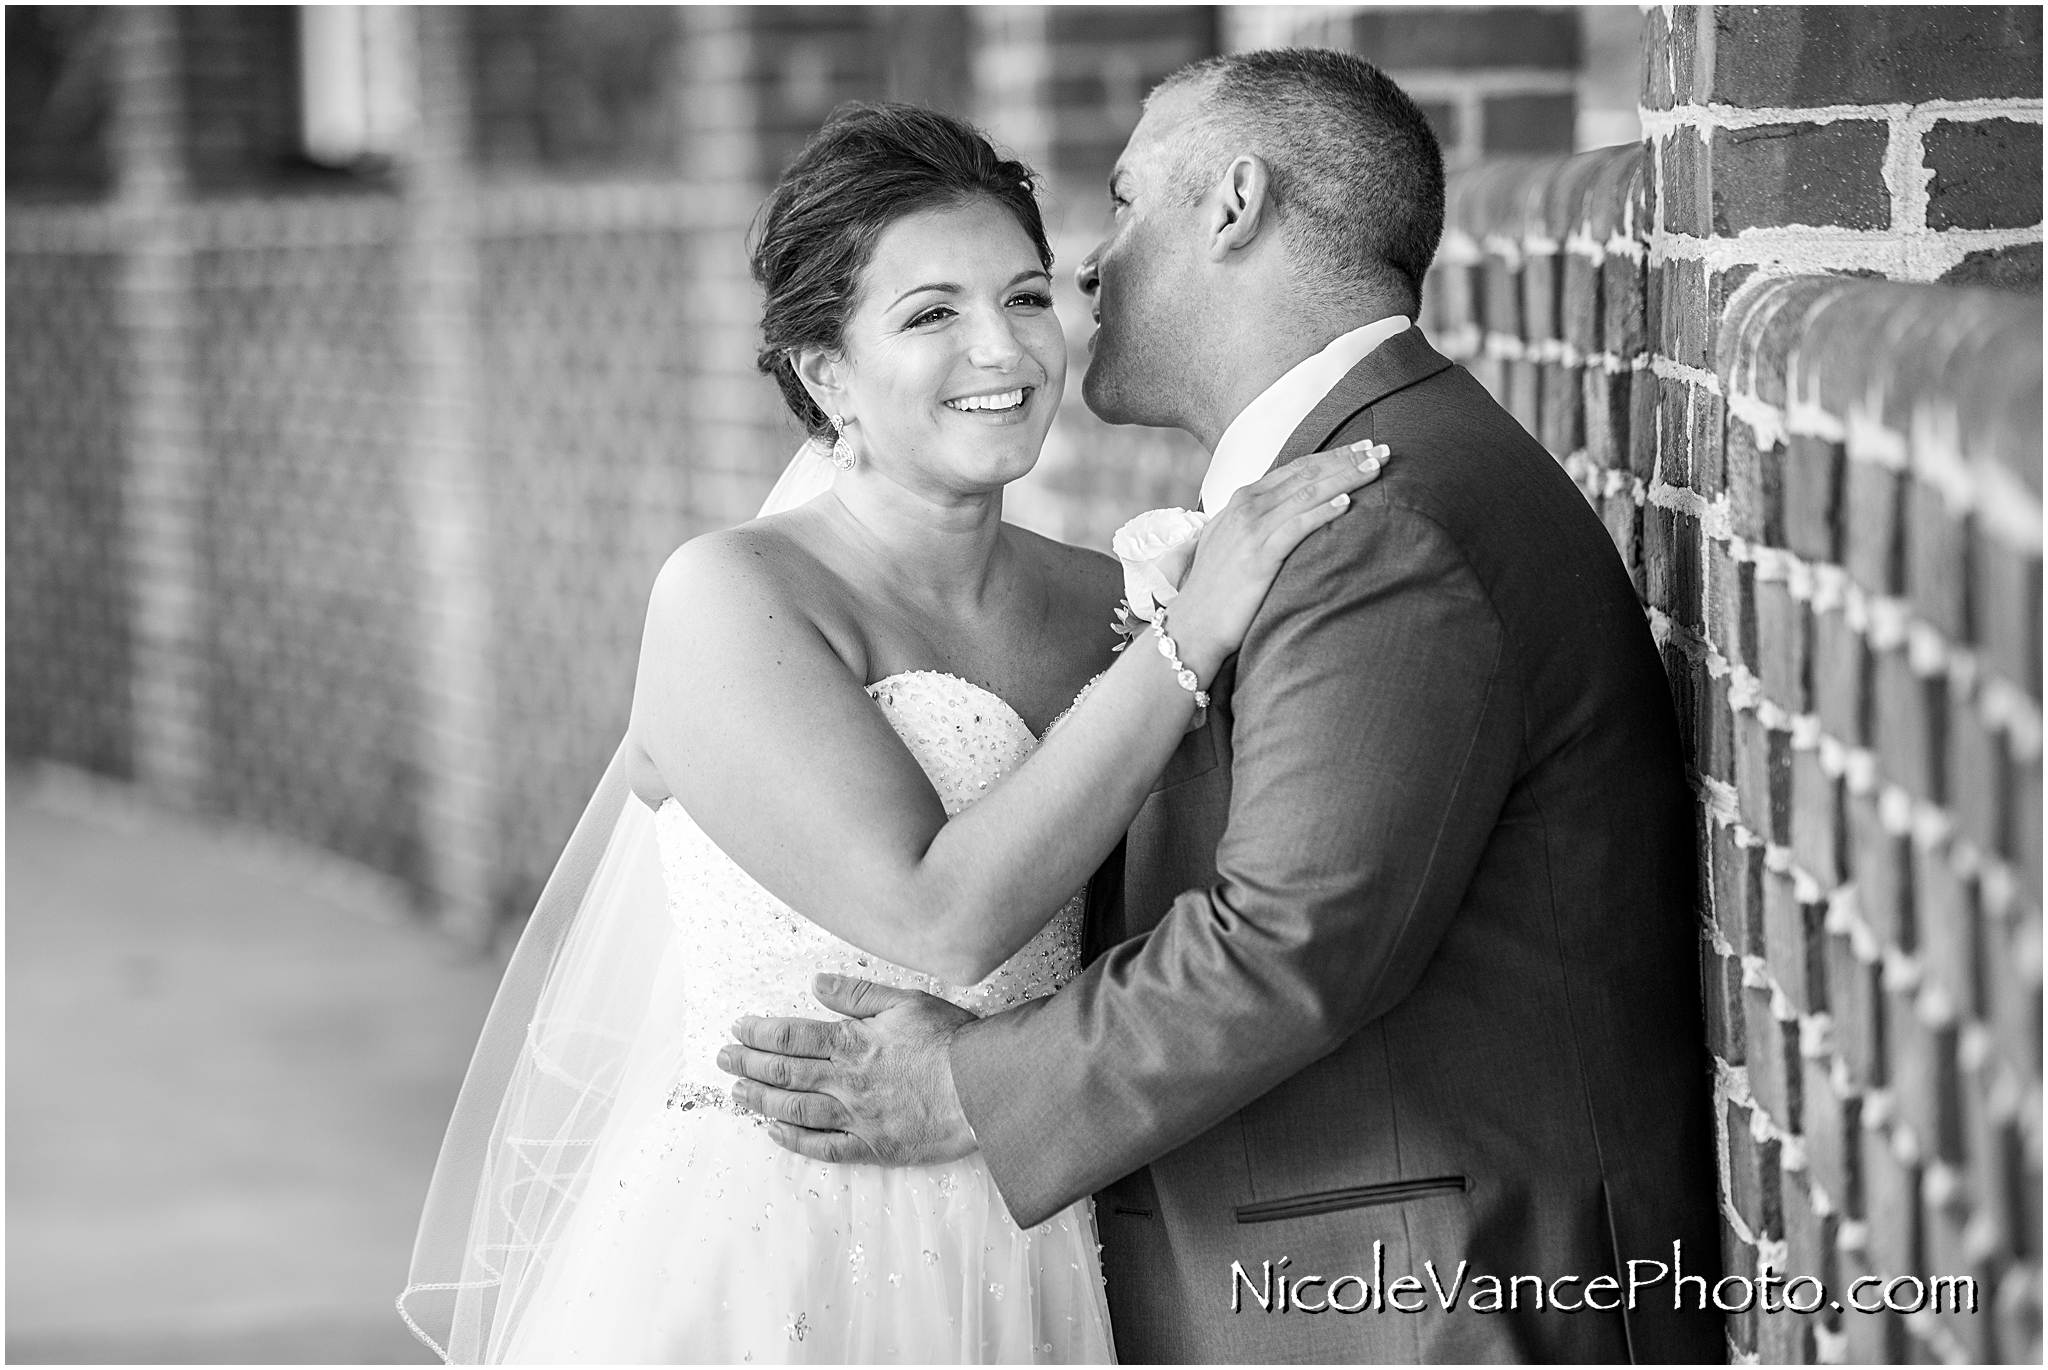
(1103, 925)
(1395, 364)
(1172, 843)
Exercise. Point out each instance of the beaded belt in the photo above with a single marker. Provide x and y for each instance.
(688, 1095)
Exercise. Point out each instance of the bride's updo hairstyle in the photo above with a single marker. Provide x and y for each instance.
(870, 165)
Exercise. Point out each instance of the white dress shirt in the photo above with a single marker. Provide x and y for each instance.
(1247, 449)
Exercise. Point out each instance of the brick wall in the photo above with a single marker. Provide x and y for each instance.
(1863, 667)
(1828, 490)
(308, 560)
(1911, 135)
(244, 492)
(68, 646)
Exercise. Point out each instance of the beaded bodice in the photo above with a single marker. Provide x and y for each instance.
(750, 953)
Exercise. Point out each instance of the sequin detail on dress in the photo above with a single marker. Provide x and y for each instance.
(700, 1240)
(757, 955)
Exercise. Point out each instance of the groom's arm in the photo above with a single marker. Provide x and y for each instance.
(1374, 740)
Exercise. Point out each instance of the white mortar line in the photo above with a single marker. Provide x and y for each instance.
(1661, 123)
(1932, 825)
(1821, 249)
(1888, 624)
(1970, 485)
(1667, 368)
(1974, 1043)
(1505, 246)
(1906, 174)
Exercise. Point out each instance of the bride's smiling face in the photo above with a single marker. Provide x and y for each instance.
(952, 361)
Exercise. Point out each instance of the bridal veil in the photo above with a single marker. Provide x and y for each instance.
(563, 1041)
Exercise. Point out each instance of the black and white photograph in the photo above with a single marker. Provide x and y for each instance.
(957, 684)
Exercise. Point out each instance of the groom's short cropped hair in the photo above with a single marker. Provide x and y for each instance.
(1357, 174)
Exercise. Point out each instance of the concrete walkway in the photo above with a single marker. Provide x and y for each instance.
(228, 1068)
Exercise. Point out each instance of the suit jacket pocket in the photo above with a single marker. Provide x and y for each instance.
(1361, 1196)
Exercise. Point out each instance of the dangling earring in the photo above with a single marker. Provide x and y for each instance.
(842, 450)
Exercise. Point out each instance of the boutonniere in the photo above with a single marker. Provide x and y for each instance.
(1155, 548)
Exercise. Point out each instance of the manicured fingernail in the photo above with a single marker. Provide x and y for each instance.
(1339, 501)
(1371, 466)
(1362, 445)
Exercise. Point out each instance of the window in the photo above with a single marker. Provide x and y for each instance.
(356, 65)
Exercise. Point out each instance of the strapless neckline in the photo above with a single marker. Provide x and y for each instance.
(981, 690)
(757, 955)
(1009, 710)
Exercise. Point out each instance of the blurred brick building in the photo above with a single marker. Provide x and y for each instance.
(363, 365)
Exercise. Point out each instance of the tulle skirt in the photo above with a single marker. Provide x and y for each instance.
(700, 1240)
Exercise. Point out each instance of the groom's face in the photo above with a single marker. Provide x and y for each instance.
(1143, 280)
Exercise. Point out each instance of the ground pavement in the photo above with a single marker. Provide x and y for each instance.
(228, 1068)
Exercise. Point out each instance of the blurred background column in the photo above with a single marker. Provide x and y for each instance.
(717, 64)
(445, 490)
(1061, 87)
(1494, 81)
(161, 494)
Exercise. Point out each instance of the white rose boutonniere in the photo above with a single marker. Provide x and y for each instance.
(1156, 548)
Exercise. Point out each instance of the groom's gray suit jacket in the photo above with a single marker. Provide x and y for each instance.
(1402, 953)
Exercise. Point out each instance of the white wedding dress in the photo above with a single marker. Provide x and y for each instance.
(698, 1239)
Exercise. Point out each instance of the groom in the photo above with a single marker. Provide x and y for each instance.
(1390, 1048)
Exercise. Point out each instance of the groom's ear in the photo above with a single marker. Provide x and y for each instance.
(1239, 205)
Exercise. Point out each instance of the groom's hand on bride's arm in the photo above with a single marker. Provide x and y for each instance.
(875, 1087)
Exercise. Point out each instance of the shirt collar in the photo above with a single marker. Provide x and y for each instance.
(1254, 438)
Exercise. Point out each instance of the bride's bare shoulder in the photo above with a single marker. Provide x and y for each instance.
(737, 569)
(728, 608)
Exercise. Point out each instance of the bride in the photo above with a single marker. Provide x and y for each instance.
(835, 763)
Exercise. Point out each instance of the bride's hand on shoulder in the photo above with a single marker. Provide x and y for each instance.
(1240, 551)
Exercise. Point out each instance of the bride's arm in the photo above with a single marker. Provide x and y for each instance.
(779, 755)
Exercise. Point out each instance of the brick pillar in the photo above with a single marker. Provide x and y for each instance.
(728, 452)
(161, 493)
(446, 490)
(1889, 676)
(1828, 490)
(1912, 134)
(1061, 87)
(1493, 81)
(924, 55)
(755, 83)
(1844, 572)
